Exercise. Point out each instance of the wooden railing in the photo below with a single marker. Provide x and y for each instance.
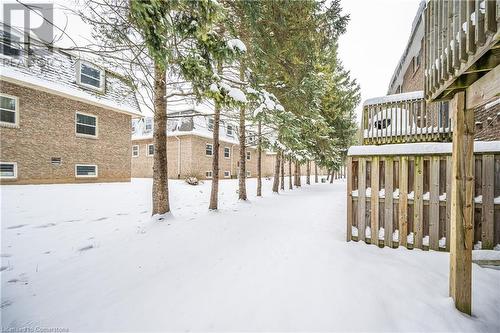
(404, 118)
(404, 199)
(461, 44)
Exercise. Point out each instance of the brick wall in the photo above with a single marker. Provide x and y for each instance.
(47, 129)
(487, 123)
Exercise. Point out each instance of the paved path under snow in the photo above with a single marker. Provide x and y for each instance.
(278, 263)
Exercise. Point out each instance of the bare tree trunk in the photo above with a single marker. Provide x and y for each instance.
(259, 160)
(290, 186)
(242, 186)
(299, 175)
(160, 166)
(308, 173)
(214, 194)
(315, 172)
(276, 180)
(295, 173)
(328, 174)
(331, 177)
(282, 182)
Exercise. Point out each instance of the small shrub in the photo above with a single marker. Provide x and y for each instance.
(192, 180)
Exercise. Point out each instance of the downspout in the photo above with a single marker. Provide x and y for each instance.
(178, 157)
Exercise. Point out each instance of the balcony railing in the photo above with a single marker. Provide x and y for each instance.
(405, 118)
(461, 44)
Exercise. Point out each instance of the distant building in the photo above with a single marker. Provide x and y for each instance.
(63, 119)
(190, 148)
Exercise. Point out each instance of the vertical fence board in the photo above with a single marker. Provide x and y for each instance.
(361, 198)
(418, 204)
(349, 199)
(448, 199)
(374, 199)
(487, 228)
(389, 169)
(403, 200)
(434, 204)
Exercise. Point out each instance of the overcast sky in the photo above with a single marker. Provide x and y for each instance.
(375, 40)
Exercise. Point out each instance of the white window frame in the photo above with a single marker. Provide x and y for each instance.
(230, 132)
(227, 174)
(212, 149)
(210, 123)
(16, 112)
(102, 75)
(83, 135)
(146, 122)
(133, 146)
(15, 171)
(86, 176)
(249, 174)
(229, 152)
(148, 153)
(207, 174)
(248, 155)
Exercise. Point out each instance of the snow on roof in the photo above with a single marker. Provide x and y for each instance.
(422, 148)
(55, 72)
(395, 98)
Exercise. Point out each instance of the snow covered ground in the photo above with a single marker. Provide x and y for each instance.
(87, 257)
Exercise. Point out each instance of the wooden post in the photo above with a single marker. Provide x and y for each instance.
(349, 199)
(388, 205)
(374, 200)
(403, 200)
(462, 205)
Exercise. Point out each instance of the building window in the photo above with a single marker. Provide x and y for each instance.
(148, 123)
(227, 152)
(209, 149)
(135, 150)
(208, 174)
(90, 76)
(227, 174)
(86, 170)
(56, 161)
(9, 114)
(151, 149)
(210, 125)
(249, 156)
(86, 124)
(10, 44)
(229, 130)
(8, 170)
(248, 174)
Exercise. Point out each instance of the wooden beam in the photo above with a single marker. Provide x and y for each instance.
(462, 205)
(362, 198)
(388, 204)
(488, 208)
(434, 204)
(484, 89)
(418, 203)
(449, 172)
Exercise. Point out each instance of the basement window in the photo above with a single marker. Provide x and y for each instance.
(86, 170)
(227, 174)
(249, 174)
(9, 114)
(208, 174)
(8, 170)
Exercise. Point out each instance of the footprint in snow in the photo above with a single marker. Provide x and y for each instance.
(86, 248)
(3, 268)
(101, 219)
(69, 221)
(144, 212)
(17, 226)
(6, 303)
(48, 225)
(122, 214)
(5, 255)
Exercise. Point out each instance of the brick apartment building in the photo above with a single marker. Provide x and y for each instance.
(63, 118)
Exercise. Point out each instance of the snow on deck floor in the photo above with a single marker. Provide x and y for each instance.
(87, 257)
